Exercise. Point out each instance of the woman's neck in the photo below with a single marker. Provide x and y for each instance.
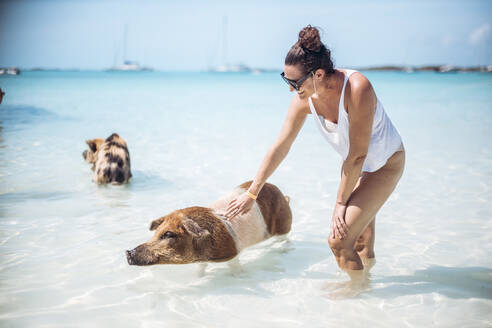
(331, 83)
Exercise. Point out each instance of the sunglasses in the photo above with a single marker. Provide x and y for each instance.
(295, 84)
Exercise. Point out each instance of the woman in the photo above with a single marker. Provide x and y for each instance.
(353, 121)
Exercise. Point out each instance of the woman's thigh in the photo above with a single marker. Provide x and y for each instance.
(370, 194)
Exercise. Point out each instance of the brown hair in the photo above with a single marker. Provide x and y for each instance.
(309, 52)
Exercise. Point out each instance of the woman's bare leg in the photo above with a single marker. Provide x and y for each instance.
(373, 190)
(358, 279)
(364, 246)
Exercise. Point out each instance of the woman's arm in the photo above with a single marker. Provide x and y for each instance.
(280, 148)
(361, 107)
(293, 123)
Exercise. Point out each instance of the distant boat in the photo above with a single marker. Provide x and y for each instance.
(10, 71)
(239, 68)
(447, 69)
(227, 68)
(128, 65)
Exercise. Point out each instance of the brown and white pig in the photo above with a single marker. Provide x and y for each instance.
(202, 234)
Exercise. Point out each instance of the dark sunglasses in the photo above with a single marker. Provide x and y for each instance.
(295, 84)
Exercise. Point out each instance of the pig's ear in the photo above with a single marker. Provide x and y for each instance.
(156, 223)
(194, 229)
(94, 144)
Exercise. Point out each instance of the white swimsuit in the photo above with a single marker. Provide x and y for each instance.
(385, 139)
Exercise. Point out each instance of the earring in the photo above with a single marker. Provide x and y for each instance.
(314, 83)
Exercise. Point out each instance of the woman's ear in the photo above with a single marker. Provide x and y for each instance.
(319, 74)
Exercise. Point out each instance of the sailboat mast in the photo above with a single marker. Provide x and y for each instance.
(125, 34)
(224, 40)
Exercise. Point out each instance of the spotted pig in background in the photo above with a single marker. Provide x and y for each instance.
(110, 159)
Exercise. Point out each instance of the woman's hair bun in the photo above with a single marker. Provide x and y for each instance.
(309, 39)
(309, 52)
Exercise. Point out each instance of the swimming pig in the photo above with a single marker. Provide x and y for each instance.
(110, 159)
(202, 234)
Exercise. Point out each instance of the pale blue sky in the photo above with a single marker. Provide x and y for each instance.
(185, 35)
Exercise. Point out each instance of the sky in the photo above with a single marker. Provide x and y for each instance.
(191, 35)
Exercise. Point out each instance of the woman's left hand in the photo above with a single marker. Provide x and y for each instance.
(338, 226)
(241, 205)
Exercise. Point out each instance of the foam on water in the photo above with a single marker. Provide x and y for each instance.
(192, 138)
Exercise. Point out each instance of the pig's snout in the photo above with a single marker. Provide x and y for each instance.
(141, 255)
(129, 257)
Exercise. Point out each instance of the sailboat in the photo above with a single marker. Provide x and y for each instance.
(10, 71)
(128, 65)
(224, 67)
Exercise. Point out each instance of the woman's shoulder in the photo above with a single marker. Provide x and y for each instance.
(356, 79)
(300, 105)
(359, 86)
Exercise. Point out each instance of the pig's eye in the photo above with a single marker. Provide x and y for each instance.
(168, 234)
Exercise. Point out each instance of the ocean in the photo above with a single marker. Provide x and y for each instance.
(192, 138)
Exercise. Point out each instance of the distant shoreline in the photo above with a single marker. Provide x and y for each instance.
(384, 68)
(429, 68)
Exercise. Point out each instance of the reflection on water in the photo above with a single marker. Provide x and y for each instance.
(23, 196)
(142, 181)
(463, 282)
(458, 283)
(19, 116)
(120, 195)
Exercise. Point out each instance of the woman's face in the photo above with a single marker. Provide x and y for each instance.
(295, 73)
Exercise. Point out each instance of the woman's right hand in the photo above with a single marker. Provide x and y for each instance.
(241, 205)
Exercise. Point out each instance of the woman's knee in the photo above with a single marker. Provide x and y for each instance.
(345, 254)
(336, 245)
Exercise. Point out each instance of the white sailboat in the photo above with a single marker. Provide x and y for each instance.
(128, 65)
(10, 71)
(225, 67)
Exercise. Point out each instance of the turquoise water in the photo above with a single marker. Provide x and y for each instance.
(192, 138)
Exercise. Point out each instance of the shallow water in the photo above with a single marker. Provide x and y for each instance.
(193, 137)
